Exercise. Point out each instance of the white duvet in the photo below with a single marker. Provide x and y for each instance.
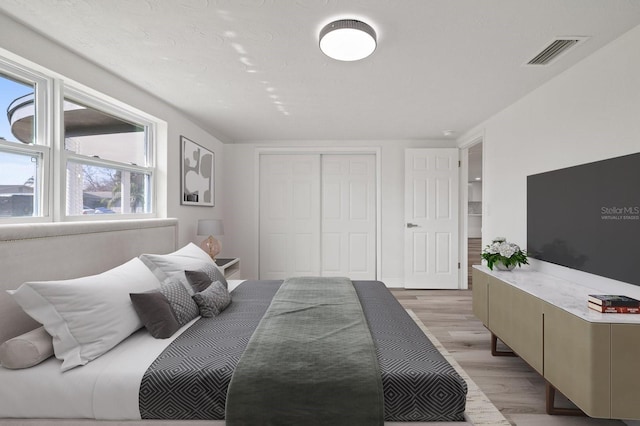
(106, 388)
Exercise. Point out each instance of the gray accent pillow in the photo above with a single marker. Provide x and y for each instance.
(156, 313)
(199, 280)
(26, 350)
(180, 300)
(165, 310)
(215, 274)
(213, 300)
(202, 279)
(218, 275)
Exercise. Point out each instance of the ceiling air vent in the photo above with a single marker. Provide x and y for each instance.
(556, 48)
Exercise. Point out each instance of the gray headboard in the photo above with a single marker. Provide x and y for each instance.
(50, 251)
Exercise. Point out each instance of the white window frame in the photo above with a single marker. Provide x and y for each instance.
(121, 111)
(40, 189)
(50, 91)
(42, 140)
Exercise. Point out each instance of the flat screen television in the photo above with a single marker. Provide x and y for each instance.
(587, 217)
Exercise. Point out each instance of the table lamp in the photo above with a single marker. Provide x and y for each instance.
(210, 227)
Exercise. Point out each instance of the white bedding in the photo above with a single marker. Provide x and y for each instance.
(106, 388)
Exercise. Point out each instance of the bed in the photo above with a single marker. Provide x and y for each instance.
(418, 385)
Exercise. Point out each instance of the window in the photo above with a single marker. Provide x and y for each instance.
(103, 161)
(93, 189)
(18, 177)
(17, 99)
(107, 159)
(90, 132)
(23, 150)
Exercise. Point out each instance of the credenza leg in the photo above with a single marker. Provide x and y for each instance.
(557, 411)
(495, 351)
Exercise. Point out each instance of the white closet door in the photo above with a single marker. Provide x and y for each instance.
(289, 216)
(348, 216)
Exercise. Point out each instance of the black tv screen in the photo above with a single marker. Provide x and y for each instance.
(587, 217)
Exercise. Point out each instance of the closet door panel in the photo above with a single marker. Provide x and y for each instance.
(348, 216)
(289, 216)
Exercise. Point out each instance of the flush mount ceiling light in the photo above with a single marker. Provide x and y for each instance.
(347, 40)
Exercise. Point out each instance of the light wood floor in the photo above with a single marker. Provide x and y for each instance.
(513, 387)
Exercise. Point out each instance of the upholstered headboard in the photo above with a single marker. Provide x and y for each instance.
(49, 251)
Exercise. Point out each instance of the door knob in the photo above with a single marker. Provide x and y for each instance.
(412, 225)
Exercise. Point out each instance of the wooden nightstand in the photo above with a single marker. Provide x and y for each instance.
(230, 267)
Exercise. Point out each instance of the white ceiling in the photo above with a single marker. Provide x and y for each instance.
(251, 69)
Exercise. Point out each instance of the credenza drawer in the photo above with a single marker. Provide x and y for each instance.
(516, 318)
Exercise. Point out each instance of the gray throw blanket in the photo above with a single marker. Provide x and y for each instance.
(311, 361)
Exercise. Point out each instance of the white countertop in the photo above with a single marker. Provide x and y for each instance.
(567, 295)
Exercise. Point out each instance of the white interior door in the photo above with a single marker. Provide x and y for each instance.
(431, 218)
(289, 216)
(348, 216)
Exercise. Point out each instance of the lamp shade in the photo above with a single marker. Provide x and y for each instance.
(347, 40)
(210, 227)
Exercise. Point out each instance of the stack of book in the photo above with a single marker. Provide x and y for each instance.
(610, 303)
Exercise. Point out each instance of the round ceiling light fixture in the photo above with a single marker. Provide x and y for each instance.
(347, 40)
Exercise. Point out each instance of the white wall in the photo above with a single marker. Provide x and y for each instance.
(241, 209)
(19, 43)
(590, 112)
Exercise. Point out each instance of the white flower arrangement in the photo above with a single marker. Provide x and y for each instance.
(501, 252)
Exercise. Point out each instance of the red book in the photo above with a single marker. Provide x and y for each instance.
(614, 309)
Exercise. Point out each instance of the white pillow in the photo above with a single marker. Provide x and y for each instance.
(188, 258)
(87, 316)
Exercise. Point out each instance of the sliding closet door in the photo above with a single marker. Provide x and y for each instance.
(317, 215)
(348, 216)
(289, 216)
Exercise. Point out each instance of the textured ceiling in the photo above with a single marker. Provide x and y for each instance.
(252, 70)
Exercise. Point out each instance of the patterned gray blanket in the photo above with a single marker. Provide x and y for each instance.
(189, 380)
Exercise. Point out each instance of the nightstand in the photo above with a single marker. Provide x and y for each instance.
(230, 267)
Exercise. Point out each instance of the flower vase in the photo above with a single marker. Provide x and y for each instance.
(501, 266)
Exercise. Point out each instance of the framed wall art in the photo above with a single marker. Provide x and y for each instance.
(197, 174)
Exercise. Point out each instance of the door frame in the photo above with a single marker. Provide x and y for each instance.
(464, 203)
(320, 150)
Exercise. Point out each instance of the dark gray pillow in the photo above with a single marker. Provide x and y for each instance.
(202, 279)
(199, 280)
(184, 308)
(165, 310)
(218, 275)
(213, 300)
(156, 313)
